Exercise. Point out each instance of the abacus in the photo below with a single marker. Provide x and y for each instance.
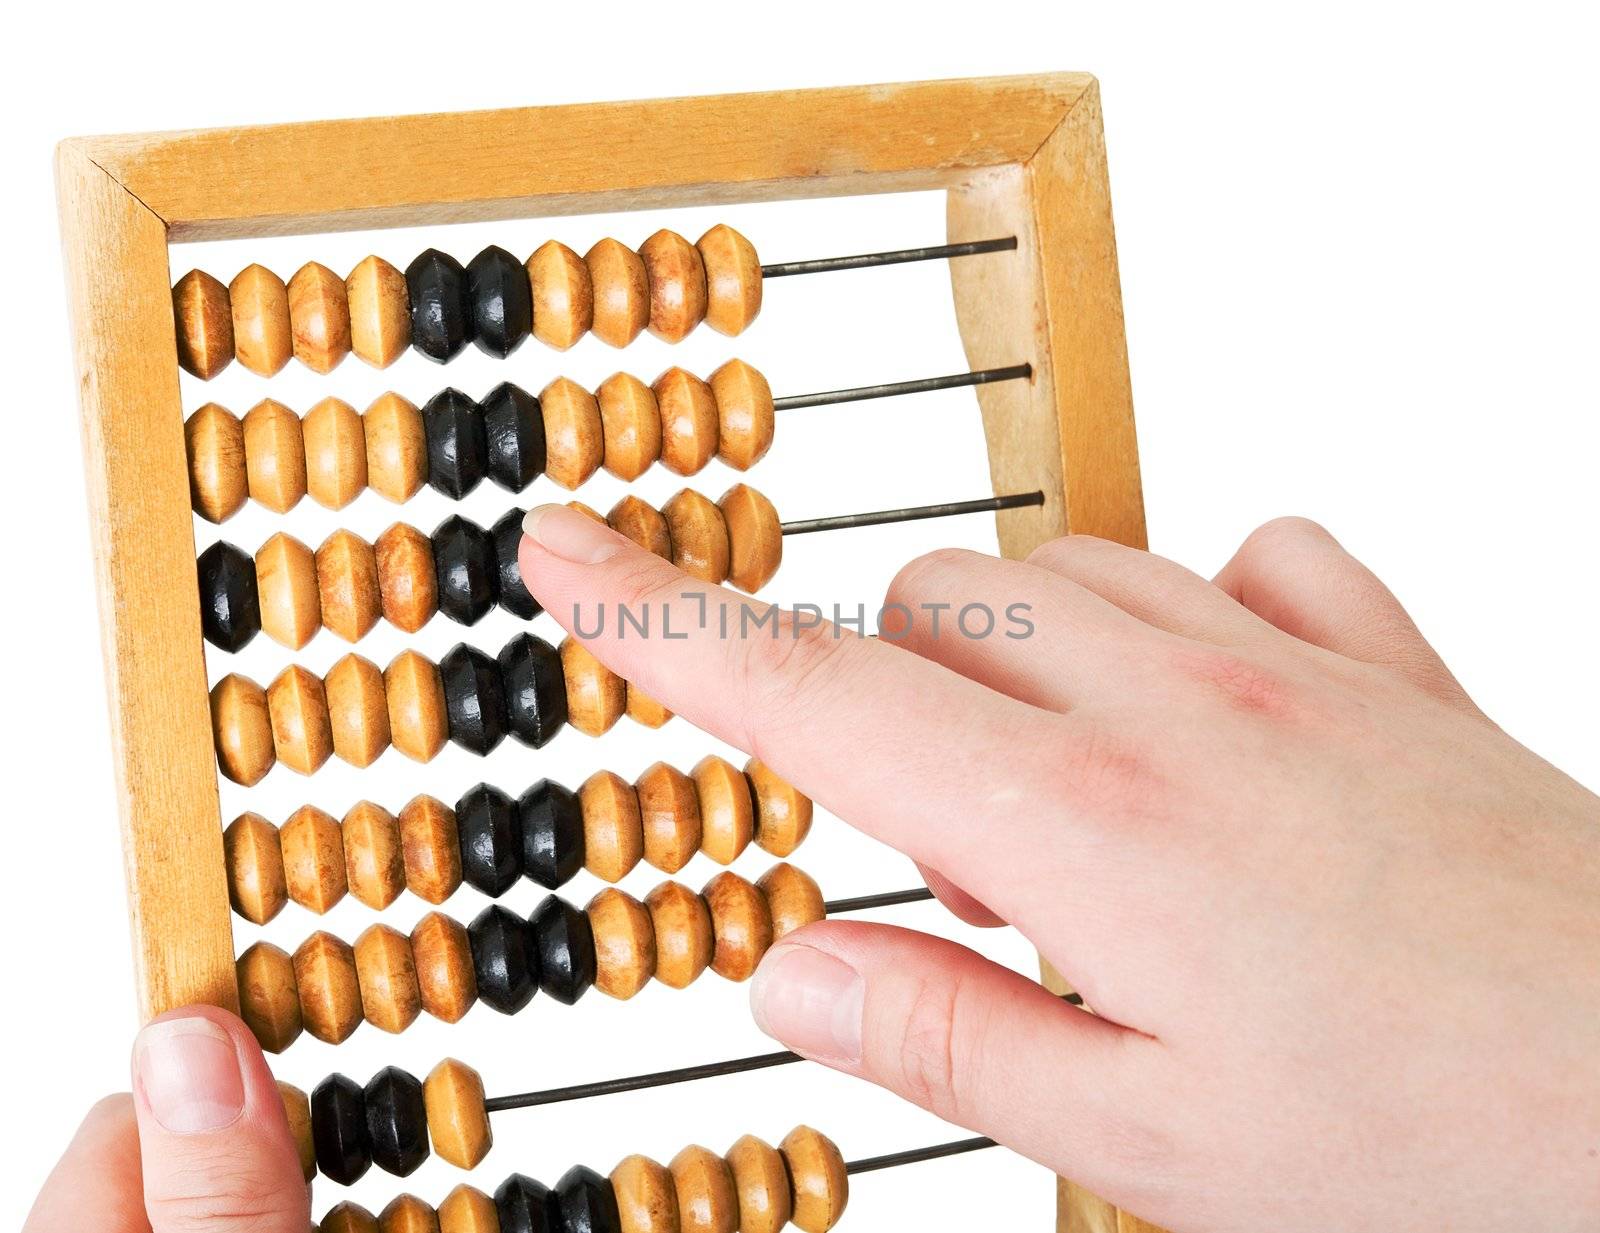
(1032, 261)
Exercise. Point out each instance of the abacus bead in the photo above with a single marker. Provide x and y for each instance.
(406, 1213)
(408, 587)
(397, 1123)
(624, 943)
(297, 1112)
(319, 316)
(574, 439)
(313, 859)
(596, 696)
(513, 425)
(458, 1123)
(301, 733)
(613, 832)
(793, 899)
(755, 538)
(563, 298)
(783, 815)
(256, 884)
(269, 997)
(262, 341)
(551, 822)
(820, 1186)
(682, 925)
(458, 448)
(349, 1217)
(741, 925)
(445, 979)
(214, 441)
(441, 311)
(491, 842)
(288, 592)
(535, 689)
(358, 710)
(417, 715)
(397, 448)
(474, 698)
(230, 609)
(643, 709)
(242, 729)
(339, 1129)
(466, 1210)
(502, 303)
(587, 511)
(275, 456)
(336, 453)
(727, 813)
(631, 425)
(524, 1206)
(699, 536)
(347, 585)
(387, 976)
(707, 1201)
(430, 848)
(205, 324)
(745, 416)
(585, 1202)
(677, 279)
(380, 312)
(505, 959)
(464, 569)
(621, 291)
(330, 993)
(762, 1184)
(733, 279)
(688, 412)
(566, 949)
(646, 1199)
(643, 524)
(374, 864)
(670, 812)
(506, 536)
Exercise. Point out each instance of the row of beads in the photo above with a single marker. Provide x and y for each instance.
(438, 306)
(489, 840)
(616, 944)
(754, 1188)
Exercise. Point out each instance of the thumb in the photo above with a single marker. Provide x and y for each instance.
(218, 1154)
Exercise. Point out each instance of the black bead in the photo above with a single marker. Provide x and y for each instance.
(514, 425)
(525, 1206)
(502, 301)
(474, 702)
(566, 949)
(397, 1122)
(586, 1203)
(491, 840)
(535, 689)
(506, 535)
(441, 309)
(504, 959)
(464, 569)
(458, 447)
(230, 614)
(339, 1129)
(552, 833)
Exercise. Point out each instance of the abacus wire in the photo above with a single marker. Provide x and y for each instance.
(912, 513)
(822, 265)
(892, 389)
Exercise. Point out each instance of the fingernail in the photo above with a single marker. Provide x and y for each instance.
(810, 1001)
(188, 1071)
(572, 536)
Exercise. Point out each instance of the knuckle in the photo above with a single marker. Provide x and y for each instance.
(223, 1192)
(1106, 774)
(931, 574)
(1284, 534)
(1059, 554)
(1241, 682)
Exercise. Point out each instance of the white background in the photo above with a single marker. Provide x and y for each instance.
(1359, 260)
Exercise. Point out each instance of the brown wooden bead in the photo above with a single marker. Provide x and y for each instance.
(432, 852)
(688, 411)
(387, 975)
(755, 538)
(596, 696)
(677, 278)
(613, 835)
(319, 317)
(380, 312)
(313, 859)
(741, 925)
(624, 943)
(783, 815)
(669, 810)
(699, 536)
(374, 866)
(358, 710)
(298, 706)
(336, 453)
(408, 590)
(218, 484)
(643, 709)
(418, 724)
(682, 925)
(643, 524)
(733, 279)
(241, 728)
(458, 1123)
(205, 324)
(819, 1184)
(466, 1210)
(349, 1217)
(275, 456)
(330, 991)
(288, 592)
(631, 425)
(793, 899)
(727, 812)
(587, 511)
(762, 1184)
(707, 1200)
(261, 338)
(745, 416)
(347, 585)
(269, 998)
(256, 884)
(574, 440)
(408, 1214)
(297, 1112)
(621, 291)
(442, 953)
(647, 1201)
(397, 448)
(563, 300)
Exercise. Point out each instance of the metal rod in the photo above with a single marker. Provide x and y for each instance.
(892, 389)
(823, 264)
(914, 513)
(917, 1155)
(886, 900)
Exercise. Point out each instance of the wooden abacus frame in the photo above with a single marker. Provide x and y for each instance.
(1017, 155)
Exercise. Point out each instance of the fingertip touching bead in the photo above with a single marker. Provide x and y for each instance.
(783, 814)
(793, 899)
(297, 1112)
(502, 303)
(645, 710)
(643, 524)
(510, 593)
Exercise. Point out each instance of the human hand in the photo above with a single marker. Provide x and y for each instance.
(1341, 933)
